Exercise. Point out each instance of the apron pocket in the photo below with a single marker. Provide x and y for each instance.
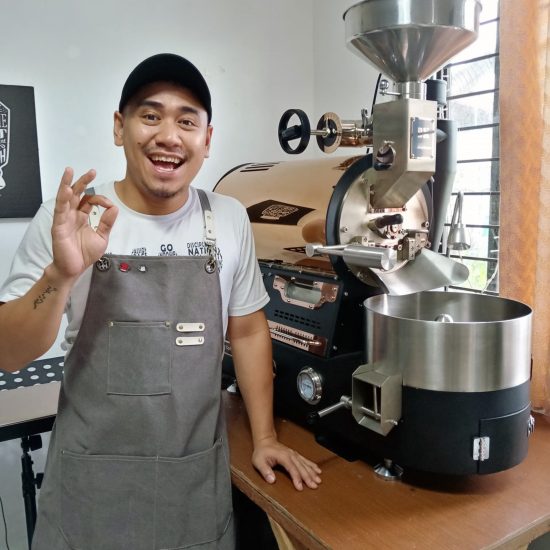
(139, 358)
(107, 502)
(193, 500)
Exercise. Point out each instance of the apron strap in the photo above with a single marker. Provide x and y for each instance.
(209, 232)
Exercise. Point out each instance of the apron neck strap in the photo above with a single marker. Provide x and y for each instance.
(208, 218)
(209, 233)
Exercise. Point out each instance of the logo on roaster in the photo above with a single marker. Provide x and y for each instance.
(278, 211)
(4, 140)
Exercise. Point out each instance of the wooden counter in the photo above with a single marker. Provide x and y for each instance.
(28, 410)
(354, 509)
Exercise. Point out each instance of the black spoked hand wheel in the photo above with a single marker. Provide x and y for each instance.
(300, 131)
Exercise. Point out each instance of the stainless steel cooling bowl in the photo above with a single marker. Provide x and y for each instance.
(450, 341)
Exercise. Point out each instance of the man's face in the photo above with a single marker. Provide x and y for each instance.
(166, 137)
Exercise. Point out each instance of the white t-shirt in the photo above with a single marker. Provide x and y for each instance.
(180, 233)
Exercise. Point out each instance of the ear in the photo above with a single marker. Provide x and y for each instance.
(118, 128)
(209, 131)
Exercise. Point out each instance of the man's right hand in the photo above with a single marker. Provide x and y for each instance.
(75, 244)
(29, 324)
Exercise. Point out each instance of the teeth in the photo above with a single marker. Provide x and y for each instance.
(160, 158)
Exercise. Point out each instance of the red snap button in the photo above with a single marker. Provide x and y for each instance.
(124, 267)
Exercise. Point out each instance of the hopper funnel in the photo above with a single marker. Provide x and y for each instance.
(409, 40)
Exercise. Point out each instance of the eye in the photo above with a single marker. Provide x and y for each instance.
(150, 117)
(187, 123)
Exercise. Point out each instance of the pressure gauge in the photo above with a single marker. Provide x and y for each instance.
(309, 383)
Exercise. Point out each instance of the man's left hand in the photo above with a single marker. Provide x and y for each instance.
(269, 453)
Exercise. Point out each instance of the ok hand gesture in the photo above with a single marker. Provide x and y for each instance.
(75, 244)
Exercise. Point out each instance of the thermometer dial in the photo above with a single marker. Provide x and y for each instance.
(310, 385)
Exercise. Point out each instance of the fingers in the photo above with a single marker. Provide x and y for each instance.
(82, 182)
(69, 194)
(268, 474)
(107, 220)
(79, 185)
(67, 177)
(300, 469)
(87, 202)
(64, 192)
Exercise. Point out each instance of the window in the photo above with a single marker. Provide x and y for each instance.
(473, 101)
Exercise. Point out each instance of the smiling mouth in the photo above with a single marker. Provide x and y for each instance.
(166, 163)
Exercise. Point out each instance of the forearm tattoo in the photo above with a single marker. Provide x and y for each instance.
(42, 297)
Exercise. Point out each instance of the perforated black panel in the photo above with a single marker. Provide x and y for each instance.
(43, 371)
(286, 316)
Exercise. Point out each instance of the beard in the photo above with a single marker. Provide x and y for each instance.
(163, 193)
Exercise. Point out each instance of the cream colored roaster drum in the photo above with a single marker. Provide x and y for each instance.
(326, 203)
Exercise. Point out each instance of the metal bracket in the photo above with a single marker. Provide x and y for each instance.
(190, 327)
(481, 448)
(376, 398)
(289, 289)
(189, 341)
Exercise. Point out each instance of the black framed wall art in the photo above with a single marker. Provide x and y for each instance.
(20, 189)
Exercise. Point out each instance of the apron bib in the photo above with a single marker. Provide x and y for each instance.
(138, 457)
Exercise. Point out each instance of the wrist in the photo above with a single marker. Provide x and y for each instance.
(55, 277)
(265, 438)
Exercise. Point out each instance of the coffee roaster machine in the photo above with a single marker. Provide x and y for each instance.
(367, 352)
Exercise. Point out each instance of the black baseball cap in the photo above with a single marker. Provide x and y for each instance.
(171, 68)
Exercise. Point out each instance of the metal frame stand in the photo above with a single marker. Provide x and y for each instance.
(30, 481)
(388, 470)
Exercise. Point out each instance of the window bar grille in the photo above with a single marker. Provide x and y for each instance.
(494, 191)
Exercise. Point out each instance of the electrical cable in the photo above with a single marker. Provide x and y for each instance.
(492, 278)
(369, 147)
(375, 92)
(5, 524)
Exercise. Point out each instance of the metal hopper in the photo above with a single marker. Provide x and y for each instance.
(409, 40)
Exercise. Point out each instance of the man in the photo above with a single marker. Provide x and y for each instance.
(138, 456)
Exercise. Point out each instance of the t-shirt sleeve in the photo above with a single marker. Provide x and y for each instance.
(248, 293)
(32, 256)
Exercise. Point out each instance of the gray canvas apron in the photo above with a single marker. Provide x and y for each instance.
(138, 458)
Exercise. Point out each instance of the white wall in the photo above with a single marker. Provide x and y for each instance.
(260, 57)
(344, 83)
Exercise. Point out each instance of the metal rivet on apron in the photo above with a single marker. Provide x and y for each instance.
(142, 268)
(124, 267)
(210, 265)
(110, 324)
(103, 264)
